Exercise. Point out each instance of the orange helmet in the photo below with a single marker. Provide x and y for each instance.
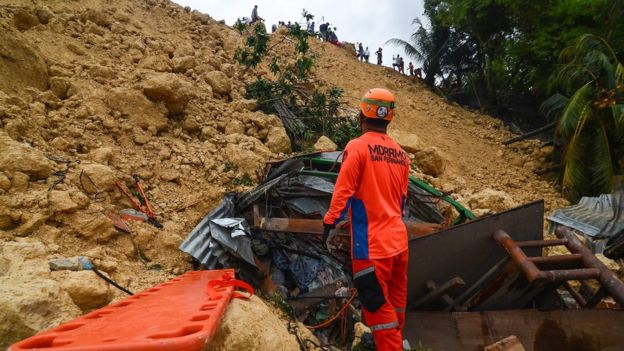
(378, 103)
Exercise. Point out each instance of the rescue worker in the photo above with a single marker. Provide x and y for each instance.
(372, 188)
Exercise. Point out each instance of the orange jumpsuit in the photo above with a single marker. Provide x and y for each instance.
(372, 188)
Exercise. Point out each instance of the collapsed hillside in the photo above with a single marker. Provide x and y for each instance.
(96, 91)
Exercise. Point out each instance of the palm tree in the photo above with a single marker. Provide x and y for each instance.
(590, 118)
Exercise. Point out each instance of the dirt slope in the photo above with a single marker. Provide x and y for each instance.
(469, 143)
(98, 90)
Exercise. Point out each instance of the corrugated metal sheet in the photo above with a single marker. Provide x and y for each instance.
(598, 217)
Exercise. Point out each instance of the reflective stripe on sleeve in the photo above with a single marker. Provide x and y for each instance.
(384, 326)
(363, 271)
(400, 310)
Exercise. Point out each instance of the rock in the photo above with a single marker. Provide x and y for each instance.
(103, 177)
(6, 222)
(246, 105)
(60, 201)
(219, 82)
(96, 16)
(5, 182)
(17, 157)
(86, 289)
(101, 155)
(20, 181)
(31, 304)
(94, 226)
(24, 20)
(66, 264)
(491, 199)
(183, 64)
(158, 63)
(170, 88)
(278, 141)
(252, 325)
(59, 86)
(409, 142)
(233, 127)
(101, 71)
(140, 110)
(49, 99)
(325, 144)
(44, 14)
(30, 223)
(21, 65)
(430, 161)
(76, 49)
(170, 175)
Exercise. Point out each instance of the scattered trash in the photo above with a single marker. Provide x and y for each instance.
(69, 264)
(60, 174)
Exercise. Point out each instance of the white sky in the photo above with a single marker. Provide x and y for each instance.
(371, 22)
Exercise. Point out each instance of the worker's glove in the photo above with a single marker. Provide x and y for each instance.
(328, 234)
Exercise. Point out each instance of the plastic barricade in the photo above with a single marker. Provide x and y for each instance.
(182, 314)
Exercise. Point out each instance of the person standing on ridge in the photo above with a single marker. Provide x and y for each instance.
(411, 69)
(379, 56)
(360, 52)
(402, 66)
(372, 188)
(254, 15)
(366, 54)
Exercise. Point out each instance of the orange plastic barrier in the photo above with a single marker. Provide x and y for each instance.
(182, 314)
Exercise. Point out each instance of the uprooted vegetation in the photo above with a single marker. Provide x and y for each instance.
(97, 91)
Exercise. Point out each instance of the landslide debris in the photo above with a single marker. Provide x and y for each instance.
(96, 91)
(93, 92)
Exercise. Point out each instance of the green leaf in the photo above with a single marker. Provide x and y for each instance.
(576, 108)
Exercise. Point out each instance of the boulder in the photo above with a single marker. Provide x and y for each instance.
(183, 64)
(233, 127)
(219, 82)
(20, 181)
(243, 105)
(94, 226)
(5, 182)
(101, 155)
(30, 223)
(96, 16)
(140, 110)
(60, 201)
(252, 325)
(408, 141)
(158, 63)
(325, 144)
(491, 199)
(24, 20)
(44, 14)
(59, 86)
(430, 161)
(30, 300)
(21, 65)
(278, 141)
(18, 157)
(171, 89)
(101, 71)
(103, 177)
(86, 289)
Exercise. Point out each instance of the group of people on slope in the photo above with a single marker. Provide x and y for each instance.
(364, 54)
(399, 64)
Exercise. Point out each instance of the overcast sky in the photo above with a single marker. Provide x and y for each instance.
(371, 22)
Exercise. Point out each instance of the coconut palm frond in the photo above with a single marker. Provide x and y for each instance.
(575, 178)
(576, 108)
(552, 106)
(601, 165)
(410, 49)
